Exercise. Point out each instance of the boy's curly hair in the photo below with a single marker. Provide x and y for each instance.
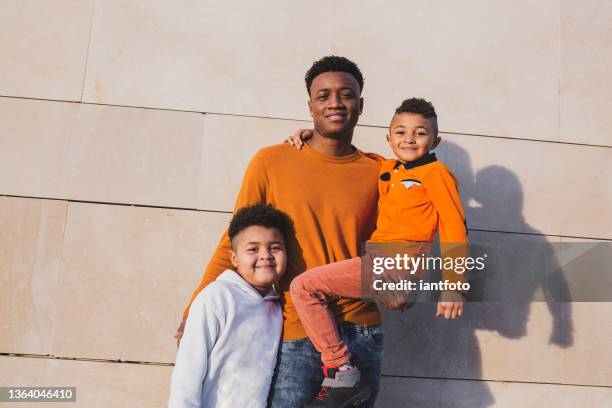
(421, 107)
(262, 215)
(333, 63)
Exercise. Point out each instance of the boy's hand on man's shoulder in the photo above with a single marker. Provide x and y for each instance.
(450, 305)
(298, 138)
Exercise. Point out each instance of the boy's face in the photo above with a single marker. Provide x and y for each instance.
(411, 136)
(335, 103)
(259, 256)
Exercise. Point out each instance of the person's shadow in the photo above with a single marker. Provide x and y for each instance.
(433, 362)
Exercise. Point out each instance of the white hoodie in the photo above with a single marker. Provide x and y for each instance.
(228, 351)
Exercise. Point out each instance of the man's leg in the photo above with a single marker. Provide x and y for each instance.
(366, 346)
(297, 376)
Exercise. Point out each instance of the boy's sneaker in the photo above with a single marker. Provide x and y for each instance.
(341, 389)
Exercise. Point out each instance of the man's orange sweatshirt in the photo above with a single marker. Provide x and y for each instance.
(332, 201)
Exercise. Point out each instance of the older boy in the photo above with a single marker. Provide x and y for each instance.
(418, 196)
(332, 215)
(228, 352)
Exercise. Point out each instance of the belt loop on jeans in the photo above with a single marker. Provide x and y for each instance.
(366, 331)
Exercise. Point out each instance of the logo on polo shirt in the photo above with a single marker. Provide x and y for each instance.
(410, 182)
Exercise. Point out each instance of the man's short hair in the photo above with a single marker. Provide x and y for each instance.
(419, 106)
(333, 63)
(260, 215)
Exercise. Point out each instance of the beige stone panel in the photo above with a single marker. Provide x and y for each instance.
(43, 48)
(98, 384)
(31, 239)
(528, 356)
(239, 58)
(231, 141)
(99, 153)
(484, 74)
(229, 144)
(589, 361)
(533, 187)
(33, 142)
(586, 63)
(127, 273)
(136, 156)
(410, 392)
(459, 394)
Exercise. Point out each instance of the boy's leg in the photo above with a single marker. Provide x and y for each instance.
(311, 293)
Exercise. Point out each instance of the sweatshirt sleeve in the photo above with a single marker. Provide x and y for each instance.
(252, 191)
(201, 332)
(442, 188)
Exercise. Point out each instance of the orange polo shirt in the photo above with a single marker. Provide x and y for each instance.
(332, 201)
(416, 200)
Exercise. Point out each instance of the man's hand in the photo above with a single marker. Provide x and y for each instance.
(299, 137)
(450, 305)
(179, 333)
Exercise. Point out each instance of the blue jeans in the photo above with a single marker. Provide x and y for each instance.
(298, 375)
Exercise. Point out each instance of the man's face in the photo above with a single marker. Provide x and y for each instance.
(411, 136)
(259, 256)
(335, 104)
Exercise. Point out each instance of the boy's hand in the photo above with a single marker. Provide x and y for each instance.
(179, 332)
(299, 137)
(450, 305)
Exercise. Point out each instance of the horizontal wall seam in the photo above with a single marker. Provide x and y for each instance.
(537, 235)
(117, 204)
(95, 360)
(302, 120)
(496, 381)
(155, 363)
(230, 212)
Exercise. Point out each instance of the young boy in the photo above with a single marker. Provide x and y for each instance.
(227, 355)
(418, 196)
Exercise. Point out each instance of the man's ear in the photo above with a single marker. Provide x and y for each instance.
(436, 142)
(233, 259)
(309, 107)
(360, 105)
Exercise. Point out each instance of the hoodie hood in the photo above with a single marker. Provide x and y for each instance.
(234, 277)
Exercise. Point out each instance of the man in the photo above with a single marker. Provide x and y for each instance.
(329, 189)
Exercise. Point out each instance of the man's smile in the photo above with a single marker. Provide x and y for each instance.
(337, 117)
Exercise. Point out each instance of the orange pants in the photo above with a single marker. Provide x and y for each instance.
(312, 291)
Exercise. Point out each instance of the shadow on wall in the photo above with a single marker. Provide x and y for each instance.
(425, 349)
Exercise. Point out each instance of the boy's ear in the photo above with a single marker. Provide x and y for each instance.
(360, 105)
(233, 259)
(309, 107)
(436, 142)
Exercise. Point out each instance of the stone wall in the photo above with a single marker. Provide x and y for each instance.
(126, 126)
